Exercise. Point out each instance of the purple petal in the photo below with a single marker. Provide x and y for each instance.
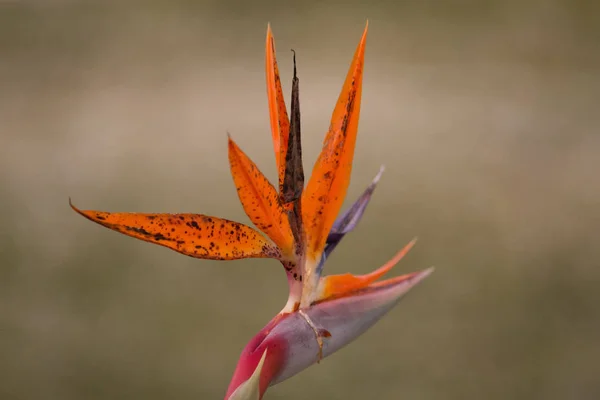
(348, 220)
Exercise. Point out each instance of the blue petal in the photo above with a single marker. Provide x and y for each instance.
(348, 220)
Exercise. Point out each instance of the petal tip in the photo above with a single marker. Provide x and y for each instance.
(74, 208)
(379, 174)
(250, 389)
(419, 276)
(364, 36)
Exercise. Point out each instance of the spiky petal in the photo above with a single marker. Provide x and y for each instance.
(260, 199)
(334, 286)
(280, 123)
(194, 235)
(326, 189)
(347, 221)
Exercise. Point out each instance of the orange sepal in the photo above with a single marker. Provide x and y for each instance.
(280, 123)
(260, 199)
(194, 235)
(334, 286)
(326, 189)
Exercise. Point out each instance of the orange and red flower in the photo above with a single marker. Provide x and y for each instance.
(301, 225)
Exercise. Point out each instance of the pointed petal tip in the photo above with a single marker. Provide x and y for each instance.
(364, 36)
(269, 32)
(413, 279)
(77, 210)
(231, 145)
(379, 174)
(423, 274)
(250, 390)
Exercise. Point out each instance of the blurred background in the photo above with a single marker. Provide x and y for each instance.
(485, 114)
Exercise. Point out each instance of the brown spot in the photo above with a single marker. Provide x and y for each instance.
(324, 333)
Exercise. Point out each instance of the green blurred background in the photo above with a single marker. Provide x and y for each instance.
(485, 114)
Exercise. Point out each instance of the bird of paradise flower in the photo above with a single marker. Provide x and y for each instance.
(304, 225)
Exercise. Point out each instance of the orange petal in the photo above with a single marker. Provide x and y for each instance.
(280, 123)
(419, 275)
(194, 235)
(260, 199)
(339, 285)
(326, 189)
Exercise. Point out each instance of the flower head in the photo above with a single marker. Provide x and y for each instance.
(301, 225)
